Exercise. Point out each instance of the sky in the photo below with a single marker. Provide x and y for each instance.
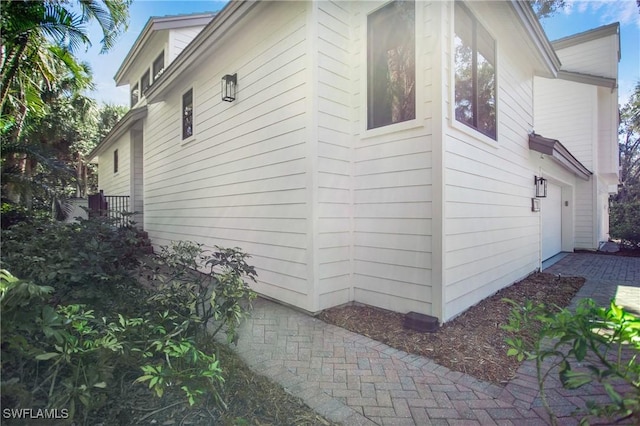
(579, 16)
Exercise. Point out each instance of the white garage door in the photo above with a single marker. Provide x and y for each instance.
(551, 212)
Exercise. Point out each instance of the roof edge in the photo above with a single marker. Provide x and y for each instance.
(162, 22)
(558, 152)
(589, 35)
(594, 80)
(532, 25)
(129, 119)
(222, 22)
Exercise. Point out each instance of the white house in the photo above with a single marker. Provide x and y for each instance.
(379, 152)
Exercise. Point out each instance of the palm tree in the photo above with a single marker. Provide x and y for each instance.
(37, 65)
(30, 27)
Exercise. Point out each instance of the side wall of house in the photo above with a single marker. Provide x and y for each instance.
(116, 183)
(491, 236)
(596, 57)
(568, 111)
(608, 160)
(241, 180)
(334, 126)
(392, 182)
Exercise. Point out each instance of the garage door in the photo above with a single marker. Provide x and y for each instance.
(551, 212)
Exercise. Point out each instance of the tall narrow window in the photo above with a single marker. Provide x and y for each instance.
(115, 161)
(475, 73)
(187, 114)
(135, 95)
(158, 66)
(391, 64)
(145, 82)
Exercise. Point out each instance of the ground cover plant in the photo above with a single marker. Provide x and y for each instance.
(96, 333)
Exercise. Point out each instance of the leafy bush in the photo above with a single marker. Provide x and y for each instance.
(624, 221)
(61, 353)
(12, 214)
(219, 293)
(592, 344)
(81, 358)
(83, 261)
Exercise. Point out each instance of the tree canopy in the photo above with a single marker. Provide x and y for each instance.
(46, 123)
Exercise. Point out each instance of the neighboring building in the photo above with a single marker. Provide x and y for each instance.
(377, 152)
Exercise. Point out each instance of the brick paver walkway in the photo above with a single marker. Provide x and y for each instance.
(355, 380)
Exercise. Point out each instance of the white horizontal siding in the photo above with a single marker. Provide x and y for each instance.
(180, 38)
(567, 111)
(596, 57)
(116, 183)
(241, 180)
(585, 220)
(334, 153)
(607, 138)
(392, 194)
(490, 234)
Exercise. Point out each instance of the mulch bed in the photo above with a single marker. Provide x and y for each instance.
(473, 342)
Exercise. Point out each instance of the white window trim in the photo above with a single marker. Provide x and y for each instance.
(415, 123)
(453, 123)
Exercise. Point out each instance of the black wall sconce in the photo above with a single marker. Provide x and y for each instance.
(228, 88)
(541, 186)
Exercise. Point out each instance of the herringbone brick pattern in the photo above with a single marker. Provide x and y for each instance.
(355, 380)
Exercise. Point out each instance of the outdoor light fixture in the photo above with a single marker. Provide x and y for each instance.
(228, 88)
(541, 186)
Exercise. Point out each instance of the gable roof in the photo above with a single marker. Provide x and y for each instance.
(158, 23)
(223, 21)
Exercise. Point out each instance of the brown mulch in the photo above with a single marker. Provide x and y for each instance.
(473, 342)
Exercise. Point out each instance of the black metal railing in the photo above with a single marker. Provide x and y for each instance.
(114, 207)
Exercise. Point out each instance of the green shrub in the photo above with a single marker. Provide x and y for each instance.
(624, 219)
(66, 357)
(592, 344)
(218, 295)
(84, 261)
(58, 353)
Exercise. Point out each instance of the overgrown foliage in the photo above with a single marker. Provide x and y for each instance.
(79, 332)
(216, 294)
(625, 205)
(46, 123)
(624, 220)
(85, 262)
(589, 345)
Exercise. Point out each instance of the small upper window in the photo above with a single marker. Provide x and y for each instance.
(391, 63)
(145, 82)
(135, 95)
(115, 161)
(475, 73)
(158, 66)
(187, 114)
